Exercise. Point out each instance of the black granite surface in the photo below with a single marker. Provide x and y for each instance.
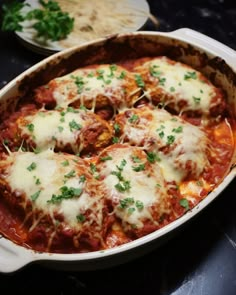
(201, 259)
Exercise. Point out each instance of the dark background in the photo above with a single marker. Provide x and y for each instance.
(201, 259)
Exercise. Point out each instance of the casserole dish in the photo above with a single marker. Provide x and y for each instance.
(216, 61)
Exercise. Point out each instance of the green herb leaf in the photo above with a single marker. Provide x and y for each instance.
(139, 205)
(190, 75)
(197, 100)
(178, 129)
(124, 203)
(139, 168)
(66, 193)
(81, 218)
(170, 139)
(134, 118)
(107, 158)
(117, 128)
(50, 22)
(32, 166)
(70, 174)
(35, 196)
(74, 125)
(12, 16)
(152, 157)
(139, 81)
(30, 127)
(184, 203)
(123, 186)
(65, 163)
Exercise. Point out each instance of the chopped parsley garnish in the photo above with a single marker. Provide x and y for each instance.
(139, 81)
(82, 178)
(139, 205)
(129, 203)
(36, 150)
(131, 210)
(153, 70)
(115, 139)
(184, 203)
(136, 159)
(93, 168)
(74, 125)
(60, 128)
(79, 82)
(81, 218)
(112, 68)
(35, 196)
(190, 75)
(162, 81)
(123, 184)
(199, 183)
(117, 128)
(70, 174)
(139, 168)
(37, 181)
(82, 107)
(160, 128)
(134, 118)
(30, 127)
(124, 203)
(170, 139)
(32, 166)
(106, 158)
(65, 163)
(72, 110)
(161, 134)
(178, 129)
(122, 75)
(6, 141)
(152, 157)
(197, 100)
(66, 193)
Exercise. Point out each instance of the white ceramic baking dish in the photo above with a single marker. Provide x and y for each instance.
(193, 48)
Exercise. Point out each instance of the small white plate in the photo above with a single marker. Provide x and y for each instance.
(92, 19)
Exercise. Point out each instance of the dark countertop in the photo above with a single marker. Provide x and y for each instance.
(201, 259)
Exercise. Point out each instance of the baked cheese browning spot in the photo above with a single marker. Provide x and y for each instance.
(182, 148)
(97, 86)
(180, 87)
(131, 185)
(65, 130)
(66, 195)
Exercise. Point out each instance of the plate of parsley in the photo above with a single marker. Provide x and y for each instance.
(50, 26)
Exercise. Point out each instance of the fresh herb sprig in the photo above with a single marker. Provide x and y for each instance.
(50, 22)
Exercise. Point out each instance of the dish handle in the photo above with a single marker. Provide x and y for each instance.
(12, 258)
(206, 43)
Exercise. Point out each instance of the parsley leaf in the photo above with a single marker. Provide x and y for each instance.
(50, 22)
(184, 203)
(66, 193)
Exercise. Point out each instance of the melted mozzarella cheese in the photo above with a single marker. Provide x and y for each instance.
(182, 83)
(48, 129)
(87, 84)
(181, 146)
(41, 176)
(146, 187)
